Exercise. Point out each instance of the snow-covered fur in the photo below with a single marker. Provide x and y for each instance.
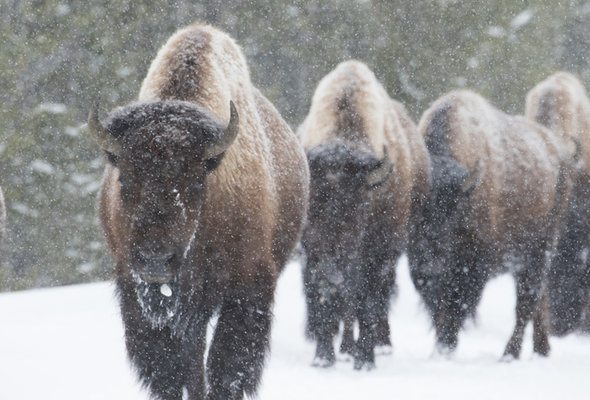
(368, 169)
(195, 231)
(561, 104)
(500, 186)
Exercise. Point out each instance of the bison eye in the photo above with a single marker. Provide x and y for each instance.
(122, 181)
(111, 158)
(195, 186)
(212, 163)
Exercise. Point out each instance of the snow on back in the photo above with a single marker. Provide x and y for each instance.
(560, 103)
(518, 169)
(354, 83)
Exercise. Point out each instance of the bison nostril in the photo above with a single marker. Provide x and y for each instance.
(155, 267)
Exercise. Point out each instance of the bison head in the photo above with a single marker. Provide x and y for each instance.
(343, 181)
(439, 247)
(163, 152)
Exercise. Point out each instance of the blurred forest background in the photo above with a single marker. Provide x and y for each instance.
(56, 56)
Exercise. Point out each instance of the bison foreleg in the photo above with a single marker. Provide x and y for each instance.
(155, 353)
(386, 289)
(459, 292)
(322, 298)
(541, 326)
(375, 292)
(564, 280)
(240, 343)
(193, 349)
(156, 357)
(528, 294)
(347, 346)
(373, 306)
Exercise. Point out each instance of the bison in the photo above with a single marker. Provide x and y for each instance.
(202, 202)
(368, 170)
(500, 187)
(560, 103)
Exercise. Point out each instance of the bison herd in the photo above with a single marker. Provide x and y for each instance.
(207, 191)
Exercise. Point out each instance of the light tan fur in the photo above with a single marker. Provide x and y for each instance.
(517, 163)
(351, 105)
(561, 104)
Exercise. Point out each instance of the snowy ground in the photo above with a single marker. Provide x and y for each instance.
(67, 343)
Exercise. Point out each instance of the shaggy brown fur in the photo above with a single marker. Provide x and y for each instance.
(561, 104)
(500, 187)
(216, 230)
(356, 230)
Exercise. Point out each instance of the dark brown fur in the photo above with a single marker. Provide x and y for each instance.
(223, 226)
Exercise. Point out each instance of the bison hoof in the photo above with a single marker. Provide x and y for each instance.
(507, 358)
(347, 348)
(321, 362)
(511, 353)
(543, 352)
(384, 350)
(361, 365)
(442, 351)
(541, 347)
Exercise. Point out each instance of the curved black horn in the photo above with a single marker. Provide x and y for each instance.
(100, 133)
(229, 134)
(381, 172)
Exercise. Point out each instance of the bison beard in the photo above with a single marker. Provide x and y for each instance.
(156, 306)
(169, 356)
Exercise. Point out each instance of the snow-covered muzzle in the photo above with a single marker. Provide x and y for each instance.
(159, 293)
(159, 302)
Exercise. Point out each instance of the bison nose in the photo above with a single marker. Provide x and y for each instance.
(155, 267)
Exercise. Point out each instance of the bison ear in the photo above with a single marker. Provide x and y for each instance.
(103, 137)
(380, 172)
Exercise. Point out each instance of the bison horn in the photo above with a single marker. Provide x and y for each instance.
(102, 136)
(379, 173)
(228, 136)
